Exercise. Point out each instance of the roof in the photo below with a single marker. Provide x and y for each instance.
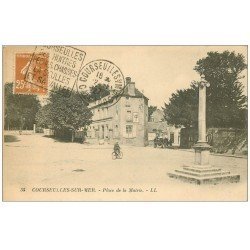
(157, 116)
(159, 112)
(137, 93)
(112, 96)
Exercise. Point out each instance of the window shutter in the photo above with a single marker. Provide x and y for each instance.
(124, 131)
(134, 130)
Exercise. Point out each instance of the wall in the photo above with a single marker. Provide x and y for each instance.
(138, 137)
(230, 141)
(157, 116)
(117, 119)
(222, 140)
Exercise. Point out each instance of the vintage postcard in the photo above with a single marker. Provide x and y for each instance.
(125, 123)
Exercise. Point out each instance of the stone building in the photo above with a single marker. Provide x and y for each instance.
(122, 118)
(157, 116)
(157, 126)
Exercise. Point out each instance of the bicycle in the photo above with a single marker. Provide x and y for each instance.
(117, 155)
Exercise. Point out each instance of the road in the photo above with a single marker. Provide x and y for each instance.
(43, 169)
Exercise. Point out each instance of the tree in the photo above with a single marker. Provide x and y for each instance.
(151, 110)
(64, 112)
(226, 103)
(98, 91)
(44, 116)
(182, 108)
(20, 110)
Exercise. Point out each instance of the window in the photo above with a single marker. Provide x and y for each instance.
(172, 137)
(129, 116)
(127, 102)
(129, 130)
(135, 117)
(116, 132)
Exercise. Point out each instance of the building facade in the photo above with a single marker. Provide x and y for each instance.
(157, 126)
(157, 116)
(122, 118)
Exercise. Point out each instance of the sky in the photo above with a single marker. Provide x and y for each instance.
(158, 71)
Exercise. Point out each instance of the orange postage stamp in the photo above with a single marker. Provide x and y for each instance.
(31, 73)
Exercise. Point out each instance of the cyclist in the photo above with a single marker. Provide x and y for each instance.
(117, 149)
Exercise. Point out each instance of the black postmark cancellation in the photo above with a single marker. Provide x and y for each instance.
(64, 66)
(97, 72)
(101, 72)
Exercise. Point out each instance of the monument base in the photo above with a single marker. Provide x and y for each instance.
(202, 152)
(204, 175)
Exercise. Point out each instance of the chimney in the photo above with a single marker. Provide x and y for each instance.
(131, 86)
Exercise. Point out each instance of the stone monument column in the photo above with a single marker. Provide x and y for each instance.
(202, 149)
(201, 172)
(202, 113)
